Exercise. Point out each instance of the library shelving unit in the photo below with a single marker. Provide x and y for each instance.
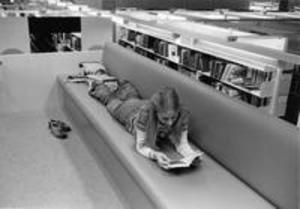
(67, 41)
(256, 79)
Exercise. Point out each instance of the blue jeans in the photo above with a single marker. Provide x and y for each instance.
(123, 104)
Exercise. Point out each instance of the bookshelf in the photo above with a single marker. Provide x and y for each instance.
(263, 83)
(67, 41)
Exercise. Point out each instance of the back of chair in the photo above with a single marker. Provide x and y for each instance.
(258, 148)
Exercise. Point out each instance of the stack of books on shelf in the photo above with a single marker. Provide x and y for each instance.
(238, 75)
(185, 55)
(232, 79)
(217, 68)
(145, 41)
(130, 35)
(235, 93)
(195, 60)
(76, 43)
(66, 41)
(160, 47)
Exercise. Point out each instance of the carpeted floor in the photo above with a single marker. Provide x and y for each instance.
(40, 171)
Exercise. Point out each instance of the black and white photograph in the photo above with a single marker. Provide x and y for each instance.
(149, 104)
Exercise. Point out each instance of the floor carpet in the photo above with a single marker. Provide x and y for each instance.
(38, 170)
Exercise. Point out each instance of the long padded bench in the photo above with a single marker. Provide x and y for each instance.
(257, 152)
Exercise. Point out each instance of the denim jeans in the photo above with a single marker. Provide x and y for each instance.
(123, 104)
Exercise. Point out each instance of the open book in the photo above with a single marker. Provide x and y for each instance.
(179, 161)
(185, 162)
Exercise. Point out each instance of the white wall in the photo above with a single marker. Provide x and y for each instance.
(14, 34)
(95, 31)
(27, 82)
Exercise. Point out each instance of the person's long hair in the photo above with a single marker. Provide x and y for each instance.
(162, 101)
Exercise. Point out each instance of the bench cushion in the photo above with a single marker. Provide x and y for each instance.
(257, 147)
(209, 187)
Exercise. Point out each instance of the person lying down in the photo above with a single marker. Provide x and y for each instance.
(153, 121)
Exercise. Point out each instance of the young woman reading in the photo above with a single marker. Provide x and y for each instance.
(152, 121)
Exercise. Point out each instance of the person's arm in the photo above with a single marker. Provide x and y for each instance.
(148, 152)
(183, 147)
(141, 145)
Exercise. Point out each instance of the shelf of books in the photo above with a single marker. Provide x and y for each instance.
(259, 84)
(67, 41)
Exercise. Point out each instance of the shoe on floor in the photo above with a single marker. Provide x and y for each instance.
(64, 126)
(57, 130)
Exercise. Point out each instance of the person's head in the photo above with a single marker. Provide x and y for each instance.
(167, 105)
(165, 110)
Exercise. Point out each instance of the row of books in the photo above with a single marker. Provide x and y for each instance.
(190, 58)
(128, 35)
(248, 98)
(158, 46)
(134, 36)
(75, 42)
(166, 62)
(250, 79)
(218, 69)
(161, 47)
(142, 40)
(184, 70)
(190, 62)
(238, 75)
(62, 40)
(194, 61)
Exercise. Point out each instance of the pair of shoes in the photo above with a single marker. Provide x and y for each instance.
(59, 129)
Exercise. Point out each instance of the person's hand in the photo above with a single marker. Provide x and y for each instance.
(162, 159)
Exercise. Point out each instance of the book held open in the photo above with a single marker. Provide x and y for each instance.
(179, 161)
(185, 162)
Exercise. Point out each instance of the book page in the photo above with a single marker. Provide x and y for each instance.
(176, 159)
